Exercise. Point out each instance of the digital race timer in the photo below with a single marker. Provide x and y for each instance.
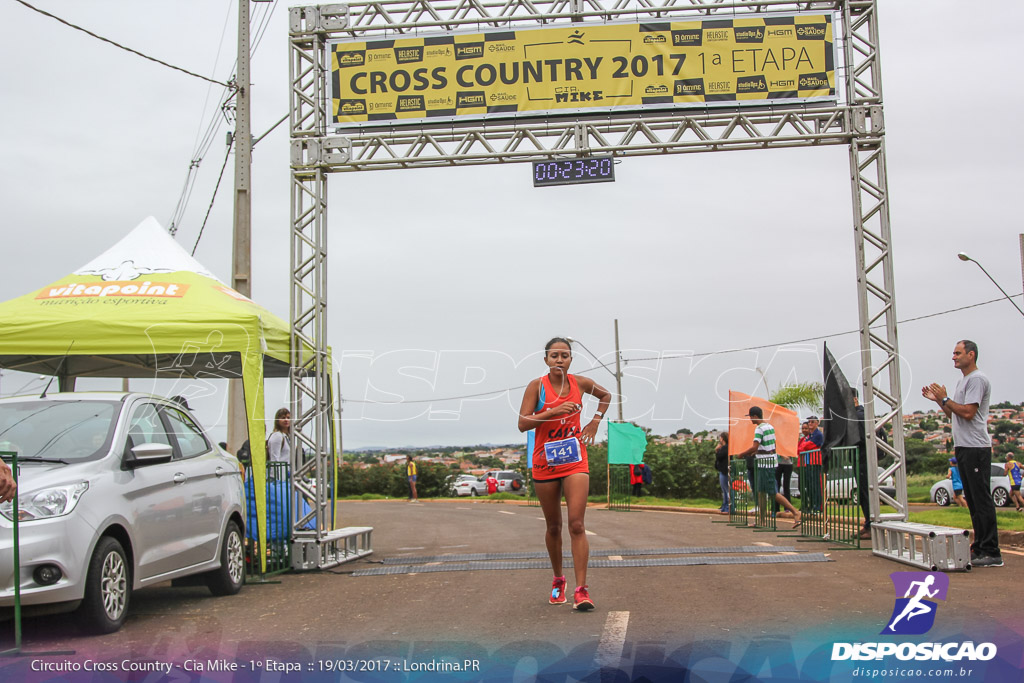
(572, 171)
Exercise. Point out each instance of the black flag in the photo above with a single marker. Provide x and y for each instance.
(839, 422)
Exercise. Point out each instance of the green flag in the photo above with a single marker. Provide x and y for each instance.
(626, 443)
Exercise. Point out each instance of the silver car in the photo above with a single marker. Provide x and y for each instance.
(116, 492)
(942, 490)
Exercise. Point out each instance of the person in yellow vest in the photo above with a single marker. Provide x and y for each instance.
(410, 472)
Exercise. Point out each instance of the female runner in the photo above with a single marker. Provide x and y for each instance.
(551, 406)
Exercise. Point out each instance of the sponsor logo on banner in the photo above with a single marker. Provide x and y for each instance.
(351, 58)
(719, 87)
(810, 32)
(469, 50)
(692, 36)
(717, 35)
(689, 86)
(656, 90)
(777, 32)
(160, 290)
(502, 97)
(784, 84)
(352, 107)
(745, 84)
(411, 103)
(651, 40)
(817, 81)
(475, 98)
(749, 34)
(439, 51)
(914, 613)
(407, 55)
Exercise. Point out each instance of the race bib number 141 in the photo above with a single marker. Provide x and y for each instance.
(563, 452)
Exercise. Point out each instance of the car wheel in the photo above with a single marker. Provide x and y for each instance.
(472, 492)
(1000, 496)
(942, 497)
(108, 589)
(516, 484)
(229, 577)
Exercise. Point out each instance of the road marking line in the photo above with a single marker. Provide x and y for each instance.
(1012, 552)
(463, 545)
(590, 533)
(613, 638)
(617, 558)
(506, 512)
(416, 548)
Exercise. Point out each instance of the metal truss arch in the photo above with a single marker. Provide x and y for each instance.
(856, 121)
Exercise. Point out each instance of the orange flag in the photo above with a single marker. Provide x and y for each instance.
(741, 429)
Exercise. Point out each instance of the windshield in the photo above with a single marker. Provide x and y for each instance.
(65, 430)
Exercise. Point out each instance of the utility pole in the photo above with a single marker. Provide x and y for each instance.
(1022, 259)
(618, 399)
(241, 253)
(618, 370)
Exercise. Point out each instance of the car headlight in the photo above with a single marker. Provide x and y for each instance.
(52, 502)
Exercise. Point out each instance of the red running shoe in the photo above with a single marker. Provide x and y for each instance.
(581, 600)
(557, 591)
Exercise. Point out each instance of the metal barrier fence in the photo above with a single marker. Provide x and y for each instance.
(621, 489)
(278, 548)
(764, 494)
(829, 496)
(842, 507)
(531, 493)
(810, 484)
(740, 496)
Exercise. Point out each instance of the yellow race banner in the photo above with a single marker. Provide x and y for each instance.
(617, 67)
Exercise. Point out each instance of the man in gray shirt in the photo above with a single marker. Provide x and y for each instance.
(968, 409)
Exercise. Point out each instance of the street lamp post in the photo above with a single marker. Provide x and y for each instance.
(964, 257)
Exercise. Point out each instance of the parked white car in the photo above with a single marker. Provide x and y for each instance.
(468, 485)
(842, 485)
(942, 490)
(116, 492)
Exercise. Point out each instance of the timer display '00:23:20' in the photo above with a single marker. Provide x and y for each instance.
(570, 171)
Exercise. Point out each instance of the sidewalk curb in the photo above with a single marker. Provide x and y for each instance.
(1006, 538)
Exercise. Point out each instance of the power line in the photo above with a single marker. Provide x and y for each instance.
(220, 116)
(119, 45)
(227, 156)
(693, 355)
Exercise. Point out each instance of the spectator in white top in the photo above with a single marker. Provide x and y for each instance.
(278, 447)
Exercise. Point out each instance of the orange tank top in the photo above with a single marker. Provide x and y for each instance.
(558, 450)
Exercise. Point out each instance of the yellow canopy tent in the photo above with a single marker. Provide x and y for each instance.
(146, 308)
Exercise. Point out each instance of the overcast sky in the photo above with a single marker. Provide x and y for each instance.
(448, 282)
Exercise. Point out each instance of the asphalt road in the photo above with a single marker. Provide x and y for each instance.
(660, 614)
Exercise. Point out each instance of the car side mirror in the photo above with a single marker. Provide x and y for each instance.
(149, 454)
